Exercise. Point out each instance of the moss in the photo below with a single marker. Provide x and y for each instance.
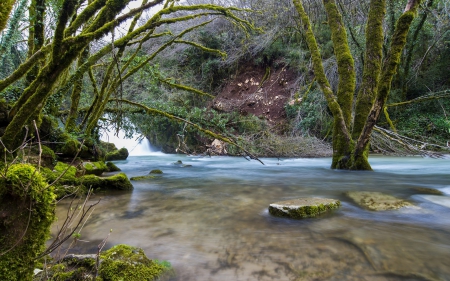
(72, 267)
(428, 190)
(156, 171)
(71, 147)
(94, 168)
(112, 167)
(303, 207)
(148, 177)
(123, 262)
(27, 206)
(3, 112)
(120, 154)
(119, 181)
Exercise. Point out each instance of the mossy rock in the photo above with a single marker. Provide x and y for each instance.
(156, 171)
(140, 178)
(27, 208)
(121, 154)
(118, 181)
(123, 262)
(112, 167)
(108, 146)
(427, 190)
(72, 267)
(94, 168)
(377, 201)
(47, 156)
(303, 207)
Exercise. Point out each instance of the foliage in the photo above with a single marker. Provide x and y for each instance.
(310, 116)
(426, 121)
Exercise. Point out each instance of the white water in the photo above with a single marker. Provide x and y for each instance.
(137, 145)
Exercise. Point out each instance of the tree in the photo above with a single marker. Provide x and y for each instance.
(59, 58)
(353, 128)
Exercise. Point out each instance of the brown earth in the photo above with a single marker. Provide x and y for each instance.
(258, 91)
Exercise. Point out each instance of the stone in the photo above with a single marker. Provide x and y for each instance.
(428, 190)
(156, 171)
(217, 147)
(112, 167)
(377, 201)
(303, 207)
(140, 178)
(121, 154)
(94, 168)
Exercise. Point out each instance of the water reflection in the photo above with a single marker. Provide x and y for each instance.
(211, 221)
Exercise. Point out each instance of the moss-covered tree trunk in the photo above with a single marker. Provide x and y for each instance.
(351, 139)
(27, 210)
(5, 9)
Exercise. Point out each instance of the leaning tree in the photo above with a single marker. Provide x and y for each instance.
(354, 122)
(97, 41)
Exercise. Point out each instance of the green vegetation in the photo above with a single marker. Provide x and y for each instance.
(69, 71)
(27, 205)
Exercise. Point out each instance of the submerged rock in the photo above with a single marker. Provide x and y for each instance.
(140, 178)
(156, 171)
(303, 207)
(377, 201)
(427, 190)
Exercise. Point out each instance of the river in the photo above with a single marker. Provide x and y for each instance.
(210, 219)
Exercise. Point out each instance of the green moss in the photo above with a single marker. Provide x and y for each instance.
(27, 205)
(112, 167)
(156, 171)
(303, 208)
(119, 181)
(123, 262)
(148, 177)
(120, 154)
(94, 168)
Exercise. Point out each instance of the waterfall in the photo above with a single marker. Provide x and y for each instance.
(137, 146)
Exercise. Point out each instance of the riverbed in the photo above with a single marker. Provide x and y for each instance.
(209, 219)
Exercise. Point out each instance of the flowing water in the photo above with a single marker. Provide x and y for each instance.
(210, 220)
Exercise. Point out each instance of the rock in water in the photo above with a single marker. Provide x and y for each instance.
(377, 201)
(303, 207)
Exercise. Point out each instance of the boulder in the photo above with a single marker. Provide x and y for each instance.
(121, 154)
(377, 201)
(303, 207)
(94, 168)
(156, 171)
(217, 147)
(112, 167)
(428, 190)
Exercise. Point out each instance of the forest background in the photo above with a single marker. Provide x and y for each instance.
(187, 67)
